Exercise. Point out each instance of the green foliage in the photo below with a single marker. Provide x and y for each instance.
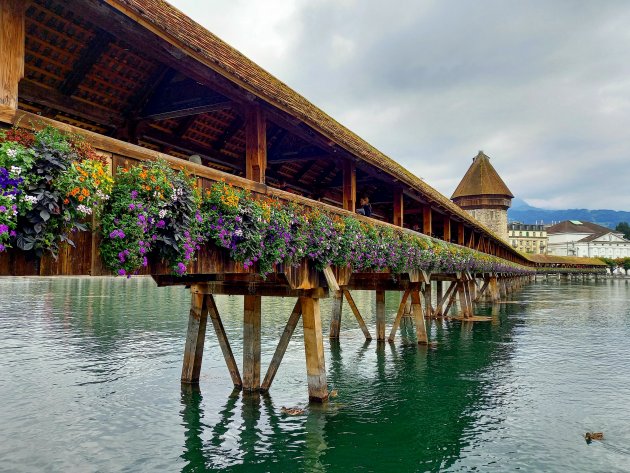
(624, 228)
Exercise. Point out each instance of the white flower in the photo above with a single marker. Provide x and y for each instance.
(15, 169)
(84, 209)
(12, 153)
(238, 233)
(30, 199)
(162, 213)
(102, 196)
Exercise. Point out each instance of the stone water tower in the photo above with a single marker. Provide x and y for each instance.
(483, 194)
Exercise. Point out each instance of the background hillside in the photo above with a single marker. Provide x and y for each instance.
(522, 212)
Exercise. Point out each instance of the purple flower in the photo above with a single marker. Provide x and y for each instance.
(121, 272)
(181, 268)
(134, 195)
(132, 207)
(4, 229)
(2, 247)
(12, 233)
(161, 224)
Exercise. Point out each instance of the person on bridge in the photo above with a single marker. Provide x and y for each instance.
(364, 207)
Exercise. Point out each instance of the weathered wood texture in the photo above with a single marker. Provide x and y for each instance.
(314, 348)
(399, 315)
(335, 320)
(285, 338)
(357, 315)
(349, 185)
(251, 342)
(256, 145)
(418, 317)
(193, 351)
(380, 316)
(11, 51)
(224, 343)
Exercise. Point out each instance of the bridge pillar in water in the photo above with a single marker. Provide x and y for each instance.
(335, 320)
(193, 351)
(251, 342)
(380, 315)
(314, 349)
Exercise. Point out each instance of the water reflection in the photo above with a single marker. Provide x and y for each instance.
(100, 361)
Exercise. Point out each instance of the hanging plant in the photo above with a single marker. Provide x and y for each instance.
(153, 212)
(38, 174)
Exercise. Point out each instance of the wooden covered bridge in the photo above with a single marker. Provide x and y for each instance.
(140, 81)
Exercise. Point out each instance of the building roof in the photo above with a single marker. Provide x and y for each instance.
(552, 259)
(193, 40)
(576, 226)
(481, 179)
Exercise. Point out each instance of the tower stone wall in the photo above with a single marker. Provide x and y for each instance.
(495, 219)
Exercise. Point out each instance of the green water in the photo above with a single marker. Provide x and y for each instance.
(89, 381)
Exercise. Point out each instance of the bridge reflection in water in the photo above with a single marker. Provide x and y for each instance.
(398, 406)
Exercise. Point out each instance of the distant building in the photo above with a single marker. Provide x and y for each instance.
(528, 238)
(575, 238)
(484, 195)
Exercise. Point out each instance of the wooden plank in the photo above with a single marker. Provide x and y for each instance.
(426, 292)
(399, 208)
(357, 315)
(439, 298)
(380, 316)
(285, 338)
(418, 317)
(399, 315)
(314, 349)
(335, 320)
(255, 144)
(11, 50)
(451, 298)
(447, 228)
(349, 185)
(460, 233)
(223, 341)
(427, 225)
(193, 351)
(330, 279)
(251, 342)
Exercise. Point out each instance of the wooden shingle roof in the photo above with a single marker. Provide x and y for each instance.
(195, 41)
(572, 260)
(481, 179)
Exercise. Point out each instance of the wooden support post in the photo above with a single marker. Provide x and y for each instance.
(380, 316)
(427, 226)
(314, 348)
(399, 315)
(349, 185)
(494, 289)
(426, 292)
(251, 343)
(460, 234)
(335, 320)
(451, 299)
(447, 228)
(11, 51)
(439, 299)
(483, 291)
(193, 351)
(357, 314)
(399, 210)
(418, 317)
(285, 338)
(255, 144)
(223, 341)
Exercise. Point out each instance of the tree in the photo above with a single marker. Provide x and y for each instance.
(624, 228)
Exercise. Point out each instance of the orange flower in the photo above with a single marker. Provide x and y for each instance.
(85, 192)
(66, 201)
(80, 198)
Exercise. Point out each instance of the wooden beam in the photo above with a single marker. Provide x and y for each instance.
(460, 234)
(427, 227)
(335, 319)
(447, 228)
(306, 168)
(357, 315)
(251, 343)
(256, 144)
(439, 298)
(380, 316)
(12, 34)
(233, 128)
(193, 351)
(89, 56)
(48, 97)
(399, 315)
(399, 209)
(187, 111)
(223, 341)
(418, 317)
(285, 338)
(314, 349)
(349, 185)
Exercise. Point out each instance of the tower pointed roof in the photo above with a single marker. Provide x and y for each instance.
(481, 179)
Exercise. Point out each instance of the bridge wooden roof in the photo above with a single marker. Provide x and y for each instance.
(570, 260)
(90, 66)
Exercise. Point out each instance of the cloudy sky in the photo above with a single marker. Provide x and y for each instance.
(542, 87)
